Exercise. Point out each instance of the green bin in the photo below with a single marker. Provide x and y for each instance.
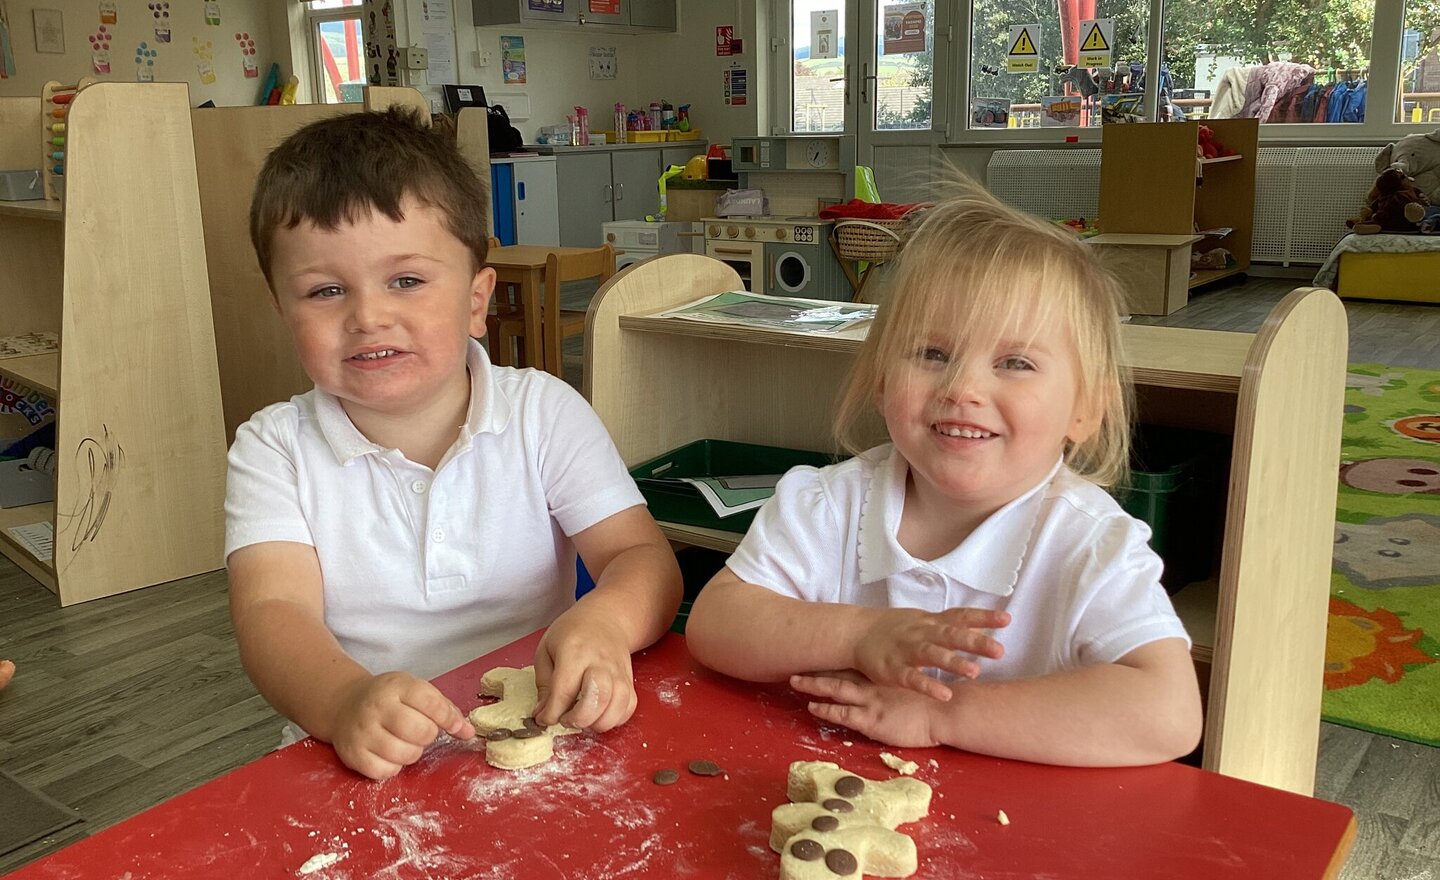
(683, 504)
(1178, 485)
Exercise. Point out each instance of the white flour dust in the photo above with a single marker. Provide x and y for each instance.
(321, 862)
(413, 839)
(668, 691)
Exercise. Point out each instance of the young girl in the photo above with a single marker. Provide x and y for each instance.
(970, 582)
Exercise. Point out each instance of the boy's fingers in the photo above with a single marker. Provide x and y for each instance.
(558, 698)
(622, 706)
(976, 618)
(837, 689)
(437, 711)
(853, 717)
(923, 684)
(591, 701)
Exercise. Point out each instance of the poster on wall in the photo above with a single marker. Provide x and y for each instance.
(602, 62)
(904, 28)
(556, 6)
(50, 31)
(512, 59)
(725, 39)
(108, 13)
(737, 86)
(990, 113)
(824, 38)
(605, 7)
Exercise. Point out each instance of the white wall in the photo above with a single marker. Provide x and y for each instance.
(175, 61)
(681, 68)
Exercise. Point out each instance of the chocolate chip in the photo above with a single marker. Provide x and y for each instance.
(837, 805)
(705, 768)
(498, 734)
(525, 733)
(849, 786)
(807, 850)
(531, 724)
(825, 823)
(665, 776)
(841, 862)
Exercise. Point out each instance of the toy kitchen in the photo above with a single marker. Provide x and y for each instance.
(771, 233)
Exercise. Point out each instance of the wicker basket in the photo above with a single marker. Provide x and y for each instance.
(873, 240)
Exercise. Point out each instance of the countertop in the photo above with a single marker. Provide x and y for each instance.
(596, 148)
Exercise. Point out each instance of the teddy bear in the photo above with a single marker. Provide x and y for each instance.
(1418, 157)
(1207, 147)
(1394, 204)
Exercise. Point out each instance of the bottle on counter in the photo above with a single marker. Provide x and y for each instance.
(582, 122)
(654, 116)
(667, 115)
(620, 122)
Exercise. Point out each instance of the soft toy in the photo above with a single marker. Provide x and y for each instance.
(1430, 221)
(1418, 157)
(1206, 147)
(1395, 204)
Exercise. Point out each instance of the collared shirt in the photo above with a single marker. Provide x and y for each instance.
(1073, 569)
(425, 570)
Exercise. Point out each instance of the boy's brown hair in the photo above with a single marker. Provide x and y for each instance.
(336, 170)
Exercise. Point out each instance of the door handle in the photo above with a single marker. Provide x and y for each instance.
(769, 274)
(609, 193)
(865, 78)
(520, 191)
(745, 252)
(620, 192)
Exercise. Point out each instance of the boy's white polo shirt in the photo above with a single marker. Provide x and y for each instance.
(425, 570)
(1072, 568)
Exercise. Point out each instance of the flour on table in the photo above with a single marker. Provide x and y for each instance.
(321, 861)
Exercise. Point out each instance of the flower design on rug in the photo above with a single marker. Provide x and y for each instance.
(1362, 645)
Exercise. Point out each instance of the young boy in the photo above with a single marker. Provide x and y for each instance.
(419, 507)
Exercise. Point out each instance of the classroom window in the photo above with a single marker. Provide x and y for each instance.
(905, 65)
(338, 43)
(1420, 64)
(1282, 61)
(818, 70)
(1059, 92)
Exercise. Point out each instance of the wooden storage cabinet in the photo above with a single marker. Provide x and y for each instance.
(1155, 193)
(1259, 624)
(635, 16)
(119, 273)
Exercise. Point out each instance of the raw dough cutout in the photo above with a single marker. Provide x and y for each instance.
(842, 825)
(514, 740)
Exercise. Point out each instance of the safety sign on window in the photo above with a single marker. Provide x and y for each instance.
(1023, 54)
(1096, 37)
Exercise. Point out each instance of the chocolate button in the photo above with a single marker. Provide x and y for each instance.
(533, 725)
(665, 776)
(525, 733)
(849, 786)
(807, 850)
(705, 768)
(836, 805)
(497, 735)
(825, 823)
(841, 862)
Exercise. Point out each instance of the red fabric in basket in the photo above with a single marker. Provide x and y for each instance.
(856, 209)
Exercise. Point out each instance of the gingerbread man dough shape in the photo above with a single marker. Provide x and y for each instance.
(842, 825)
(514, 740)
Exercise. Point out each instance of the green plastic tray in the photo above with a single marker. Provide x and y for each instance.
(713, 458)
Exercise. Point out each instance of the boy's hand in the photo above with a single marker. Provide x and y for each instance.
(385, 722)
(582, 673)
(893, 715)
(902, 641)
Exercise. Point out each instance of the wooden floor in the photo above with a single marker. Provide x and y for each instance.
(124, 702)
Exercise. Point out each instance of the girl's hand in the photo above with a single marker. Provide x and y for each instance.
(385, 722)
(583, 674)
(902, 641)
(892, 715)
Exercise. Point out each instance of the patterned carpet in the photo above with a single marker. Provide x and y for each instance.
(1382, 657)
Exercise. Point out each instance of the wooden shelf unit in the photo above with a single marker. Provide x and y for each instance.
(658, 383)
(119, 274)
(1152, 185)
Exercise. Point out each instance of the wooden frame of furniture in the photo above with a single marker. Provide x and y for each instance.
(1154, 191)
(658, 383)
(257, 359)
(118, 271)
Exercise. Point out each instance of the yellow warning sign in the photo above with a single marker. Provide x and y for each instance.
(1023, 55)
(1097, 36)
(1096, 41)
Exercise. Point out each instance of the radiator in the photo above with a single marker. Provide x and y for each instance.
(1303, 195)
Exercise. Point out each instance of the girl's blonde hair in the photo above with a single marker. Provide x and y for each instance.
(977, 262)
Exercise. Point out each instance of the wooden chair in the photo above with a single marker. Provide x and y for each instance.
(557, 324)
(504, 305)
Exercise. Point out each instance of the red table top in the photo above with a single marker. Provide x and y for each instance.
(593, 811)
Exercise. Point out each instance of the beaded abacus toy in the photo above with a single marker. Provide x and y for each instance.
(55, 106)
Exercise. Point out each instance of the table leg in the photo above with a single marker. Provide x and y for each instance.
(531, 291)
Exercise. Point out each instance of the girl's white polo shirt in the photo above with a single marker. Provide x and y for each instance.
(1073, 569)
(425, 570)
